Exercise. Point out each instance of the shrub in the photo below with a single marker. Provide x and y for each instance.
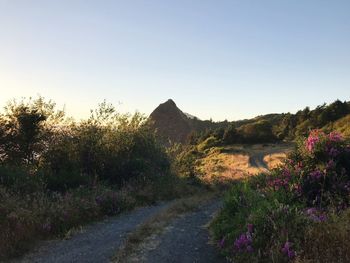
(282, 216)
(208, 143)
(20, 180)
(184, 161)
(25, 130)
(263, 219)
(56, 174)
(318, 171)
(231, 136)
(257, 132)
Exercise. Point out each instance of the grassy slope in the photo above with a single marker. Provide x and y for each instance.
(342, 125)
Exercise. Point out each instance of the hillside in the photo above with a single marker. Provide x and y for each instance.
(342, 125)
(172, 124)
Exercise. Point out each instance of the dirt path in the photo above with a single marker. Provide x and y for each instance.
(257, 160)
(97, 243)
(186, 239)
(256, 156)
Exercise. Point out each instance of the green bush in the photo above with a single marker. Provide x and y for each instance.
(208, 143)
(253, 227)
(184, 160)
(21, 180)
(65, 154)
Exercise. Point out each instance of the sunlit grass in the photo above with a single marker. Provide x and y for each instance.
(223, 164)
(275, 159)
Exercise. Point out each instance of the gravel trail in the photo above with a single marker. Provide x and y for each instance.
(97, 243)
(186, 240)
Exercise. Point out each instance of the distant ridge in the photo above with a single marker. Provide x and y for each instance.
(175, 126)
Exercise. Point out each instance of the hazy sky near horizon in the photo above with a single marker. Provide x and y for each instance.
(215, 59)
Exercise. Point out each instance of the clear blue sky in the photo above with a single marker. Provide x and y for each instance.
(220, 59)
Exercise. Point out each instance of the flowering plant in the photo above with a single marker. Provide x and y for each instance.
(317, 172)
(307, 190)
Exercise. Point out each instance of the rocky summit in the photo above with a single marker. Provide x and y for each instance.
(170, 122)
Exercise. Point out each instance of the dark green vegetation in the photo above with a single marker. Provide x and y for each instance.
(297, 212)
(280, 127)
(56, 173)
(174, 125)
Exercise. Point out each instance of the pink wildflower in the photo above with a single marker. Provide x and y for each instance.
(287, 250)
(250, 228)
(335, 136)
(316, 175)
(222, 242)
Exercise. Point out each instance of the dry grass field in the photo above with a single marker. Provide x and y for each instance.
(273, 160)
(224, 164)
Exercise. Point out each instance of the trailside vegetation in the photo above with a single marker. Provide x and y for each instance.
(295, 213)
(57, 173)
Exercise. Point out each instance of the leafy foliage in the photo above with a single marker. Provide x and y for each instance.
(25, 130)
(65, 154)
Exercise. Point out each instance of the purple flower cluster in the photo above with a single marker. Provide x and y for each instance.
(221, 243)
(316, 175)
(330, 165)
(335, 136)
(288, 251)
(283, 181)
(244, 242)
(312, 140)
(298, 189)
(316, 215)
(279, 183)
(317, 137)
(333, 152)
(47, 227)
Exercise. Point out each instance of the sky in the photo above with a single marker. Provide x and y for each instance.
(216, 59)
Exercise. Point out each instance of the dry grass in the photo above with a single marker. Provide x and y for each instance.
(328, 242)
(144, 237)
(222, 165)
(274, 160)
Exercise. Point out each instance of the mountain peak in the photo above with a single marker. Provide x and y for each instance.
(171, 122)
(168, 108)
(170, 102)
